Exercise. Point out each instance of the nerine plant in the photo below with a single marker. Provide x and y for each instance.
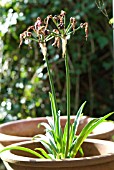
(58, 143)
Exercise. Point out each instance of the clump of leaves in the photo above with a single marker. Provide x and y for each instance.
(55, 138)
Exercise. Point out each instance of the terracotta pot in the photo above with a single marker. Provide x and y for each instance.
(99, 155)
(23, 130)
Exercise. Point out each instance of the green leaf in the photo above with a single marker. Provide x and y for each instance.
(48, 147)
(71, 136)
(53, 108)
(43, 152)
(64, 138)
(54, 114)
(22, 149)
(48, 142)
(76, 121)
(81, 151)
(100, 120)
(46, 125)
(50, 122)
(81, 137)
(87, 130)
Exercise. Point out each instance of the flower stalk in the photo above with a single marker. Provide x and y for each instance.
(53, 92)
(68, 101)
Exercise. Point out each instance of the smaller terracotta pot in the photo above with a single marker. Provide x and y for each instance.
(99, 155)
(24, 130)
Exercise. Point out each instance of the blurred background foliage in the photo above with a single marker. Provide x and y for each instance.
(24, 82)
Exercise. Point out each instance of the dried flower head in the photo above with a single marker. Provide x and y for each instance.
(73, 22)
(46, 20)
(57, 39)
(31, 28)
(41, 30)
(24, 35)
(86, 30)
(41, 34)
(61, 19)
(63, 13)
(38, 23)
(85, 25)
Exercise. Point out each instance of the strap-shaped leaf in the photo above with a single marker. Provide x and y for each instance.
(53, 108)
(100, 120)
(54, 114)
(80, 139)
(48, 144)
(46, 125)
(87, 130)
(50, 121)
(43, 152)
(23, 149)
(48, 147)
(77, 118)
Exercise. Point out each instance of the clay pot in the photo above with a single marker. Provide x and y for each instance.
(99, 155)
(24, 130)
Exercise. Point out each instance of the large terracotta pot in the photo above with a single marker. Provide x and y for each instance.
(23, 130)
(99, 155)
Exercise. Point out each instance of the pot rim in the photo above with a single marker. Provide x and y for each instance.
(5, 137)
(97, 159)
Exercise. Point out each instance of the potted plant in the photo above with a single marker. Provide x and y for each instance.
(58, 148)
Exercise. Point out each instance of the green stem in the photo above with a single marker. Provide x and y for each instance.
(53, 91)
(51, 81)
(68, 102)
(74, 30)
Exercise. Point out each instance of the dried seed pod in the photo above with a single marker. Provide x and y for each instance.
(24, 35)
(63, 13)
(37, 23)
(85, 25)
(57, 39)
(86, 30)
(73, 22)
(31, 28)
(46, 20)
(41, 30)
